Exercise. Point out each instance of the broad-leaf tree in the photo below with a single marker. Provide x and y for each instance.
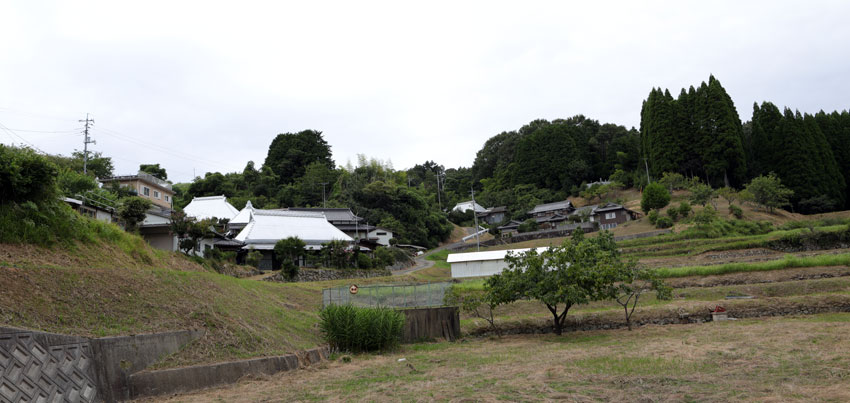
(577, 272)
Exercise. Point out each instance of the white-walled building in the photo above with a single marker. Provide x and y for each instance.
(381, 236)
(481, 264)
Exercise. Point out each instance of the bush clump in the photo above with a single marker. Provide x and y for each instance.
(655, 196)
(673, 213)
(652, 216)
(355, 329)
(736, 211)
(684, 209)
(663, 222)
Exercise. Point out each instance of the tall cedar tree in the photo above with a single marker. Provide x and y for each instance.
(836, 129)
(794, 147)
(698, 134)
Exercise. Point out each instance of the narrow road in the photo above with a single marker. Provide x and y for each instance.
(422, 263)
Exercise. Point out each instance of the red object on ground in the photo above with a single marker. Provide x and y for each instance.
(719, 309)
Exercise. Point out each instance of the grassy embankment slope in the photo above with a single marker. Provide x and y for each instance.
(97, 280)
(73, 275)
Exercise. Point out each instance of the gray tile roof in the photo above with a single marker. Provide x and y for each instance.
(332, 214)
(542, 208)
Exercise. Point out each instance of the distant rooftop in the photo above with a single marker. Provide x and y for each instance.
(542, 208)
(332, 214)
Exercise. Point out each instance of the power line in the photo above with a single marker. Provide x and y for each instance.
(12, 132)
(166, 150)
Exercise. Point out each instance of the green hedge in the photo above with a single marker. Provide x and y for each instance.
(356, 329)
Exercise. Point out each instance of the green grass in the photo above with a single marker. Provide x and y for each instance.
(439, 259)
(788, 262)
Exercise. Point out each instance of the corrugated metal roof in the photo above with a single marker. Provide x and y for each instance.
(203, 208)
(269, 226)
(488, 255)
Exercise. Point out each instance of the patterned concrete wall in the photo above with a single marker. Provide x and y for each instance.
(41, 367)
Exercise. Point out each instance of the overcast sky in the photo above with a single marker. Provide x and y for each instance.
(205, 86)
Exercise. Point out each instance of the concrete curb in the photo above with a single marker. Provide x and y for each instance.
(187, 379)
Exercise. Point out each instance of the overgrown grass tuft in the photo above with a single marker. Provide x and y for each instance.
(357, 329)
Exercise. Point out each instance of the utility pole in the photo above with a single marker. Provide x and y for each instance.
(439, 202)
(475, 217)
(86, 142)
(645, 163)
(323, 193)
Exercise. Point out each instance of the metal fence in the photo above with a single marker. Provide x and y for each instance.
(395, 296)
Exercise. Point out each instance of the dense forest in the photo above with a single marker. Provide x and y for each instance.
(699, 134)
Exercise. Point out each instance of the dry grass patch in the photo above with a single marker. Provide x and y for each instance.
(771, 359)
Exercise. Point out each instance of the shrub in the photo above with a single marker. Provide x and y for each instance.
(684, 209)
(701, 193)
(769, 192)
(673, 213)
(462, 218)
(652, 216)
(655, 196)
(364, 261)
(384, 257)
(253, 258)
(132, 211)
(705, 216)
(663, 222)
(289, 250)
(528, 225)
(26, 176)
(736, 212)
(356, 329)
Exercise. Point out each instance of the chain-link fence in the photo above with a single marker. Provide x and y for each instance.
(396, 296)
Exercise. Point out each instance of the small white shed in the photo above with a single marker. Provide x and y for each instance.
(481, 264)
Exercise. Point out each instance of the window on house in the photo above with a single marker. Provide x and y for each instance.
(166, 197)
(146, 191)
(380, 233)
(610, 216)
(156, 194)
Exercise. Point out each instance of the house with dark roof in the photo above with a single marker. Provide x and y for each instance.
(563, 208)
(607, 215)
(493, 215)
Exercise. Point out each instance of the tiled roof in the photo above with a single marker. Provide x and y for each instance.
(541, 208)
(269, 226)
(332, 214)
(203, 208)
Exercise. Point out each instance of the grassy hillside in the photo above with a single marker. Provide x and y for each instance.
(73, 275)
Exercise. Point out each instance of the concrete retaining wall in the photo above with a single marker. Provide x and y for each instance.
(181, 380)
(49, 367)
(431, 323)
(305, 274)
(45, 367)
(118, 357)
